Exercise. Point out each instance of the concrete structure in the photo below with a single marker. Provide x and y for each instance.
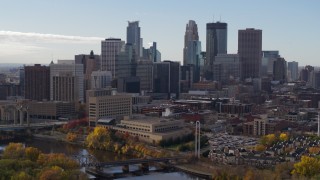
(101, 79)
(151, 129)
(110, 48)
(66, 81)
(250, 52)
(134, 38)
(216, 44)
(226, 68)
(112, 106)
(37, 82)
(280, 70)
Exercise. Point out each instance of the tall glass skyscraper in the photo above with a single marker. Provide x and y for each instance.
(134, 38)
(192, 49)
(216, 43)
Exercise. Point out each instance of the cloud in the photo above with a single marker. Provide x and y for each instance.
(12, 36)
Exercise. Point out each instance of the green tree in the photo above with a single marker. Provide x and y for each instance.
(13, 151)
(32, 153)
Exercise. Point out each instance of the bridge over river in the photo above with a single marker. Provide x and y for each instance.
(16, 127)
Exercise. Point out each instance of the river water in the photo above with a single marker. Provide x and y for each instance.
(49, 146)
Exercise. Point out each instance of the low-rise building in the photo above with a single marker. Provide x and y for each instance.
(152, 129)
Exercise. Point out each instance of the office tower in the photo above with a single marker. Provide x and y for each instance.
(37, 82)
(22, 81)
(110, 48)
(125, 62)
(166, 78)
(144, 72)
(305, 73)
(316, 79)
(152, 53)
(216, 44)
(280, 70)
(268, 57)
(186, 77)
(226, 68)
(293, 70)
(89, 61)
(133, 38)
(66, 81)
(250, 52)
(100, 79)
(190, 36)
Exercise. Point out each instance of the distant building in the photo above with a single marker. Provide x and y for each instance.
(66, 81)
(145, 72)
(250, 52)
(37, 82)
(128, 84)
(217, 34)
(152, 54)
(268, 57)
(101, 79)
(226, 68)
(293, 70)
(166, 77)
(110, 48)
(192, 49)
(111, 106)
(134, 38)
(51, 110)
(152, 129)
(280, 70)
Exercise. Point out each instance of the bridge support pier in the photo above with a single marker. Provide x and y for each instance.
(125, 169)
(144, 167)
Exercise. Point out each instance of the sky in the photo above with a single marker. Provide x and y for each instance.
(38, 31)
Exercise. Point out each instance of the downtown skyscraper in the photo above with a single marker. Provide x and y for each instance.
(134, 38)
(216, 44)
(250, 52)
(192, 49)
(110, 49)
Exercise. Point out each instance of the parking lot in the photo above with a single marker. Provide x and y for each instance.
(221, 140)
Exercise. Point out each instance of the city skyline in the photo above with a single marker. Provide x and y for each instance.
(37, 32)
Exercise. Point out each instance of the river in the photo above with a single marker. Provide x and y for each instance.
(49, 146)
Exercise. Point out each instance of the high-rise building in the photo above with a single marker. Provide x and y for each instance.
(216, 44)
(268, 57)
(134, 38)
(226, 68)
(144, 72)
(110, 48)
(66, 81)
(280, 70)
(125, 63)
(22, 81)
(293, 70)
(37, 82)
(191, 36)
(250, 52)
(152, 53)
(100, 79)
(166, 77)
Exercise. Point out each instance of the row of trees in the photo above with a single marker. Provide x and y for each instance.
(26, 163)
(269, 140)
(110, 140)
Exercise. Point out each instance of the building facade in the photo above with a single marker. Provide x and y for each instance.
(111, 106)
(134, 38)
(216, 44)
(293, 70)
(226, 68)
(250, 52)
(110, 48)
(66, 81)
(37, 82)
(280, 70)
(101, 79)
